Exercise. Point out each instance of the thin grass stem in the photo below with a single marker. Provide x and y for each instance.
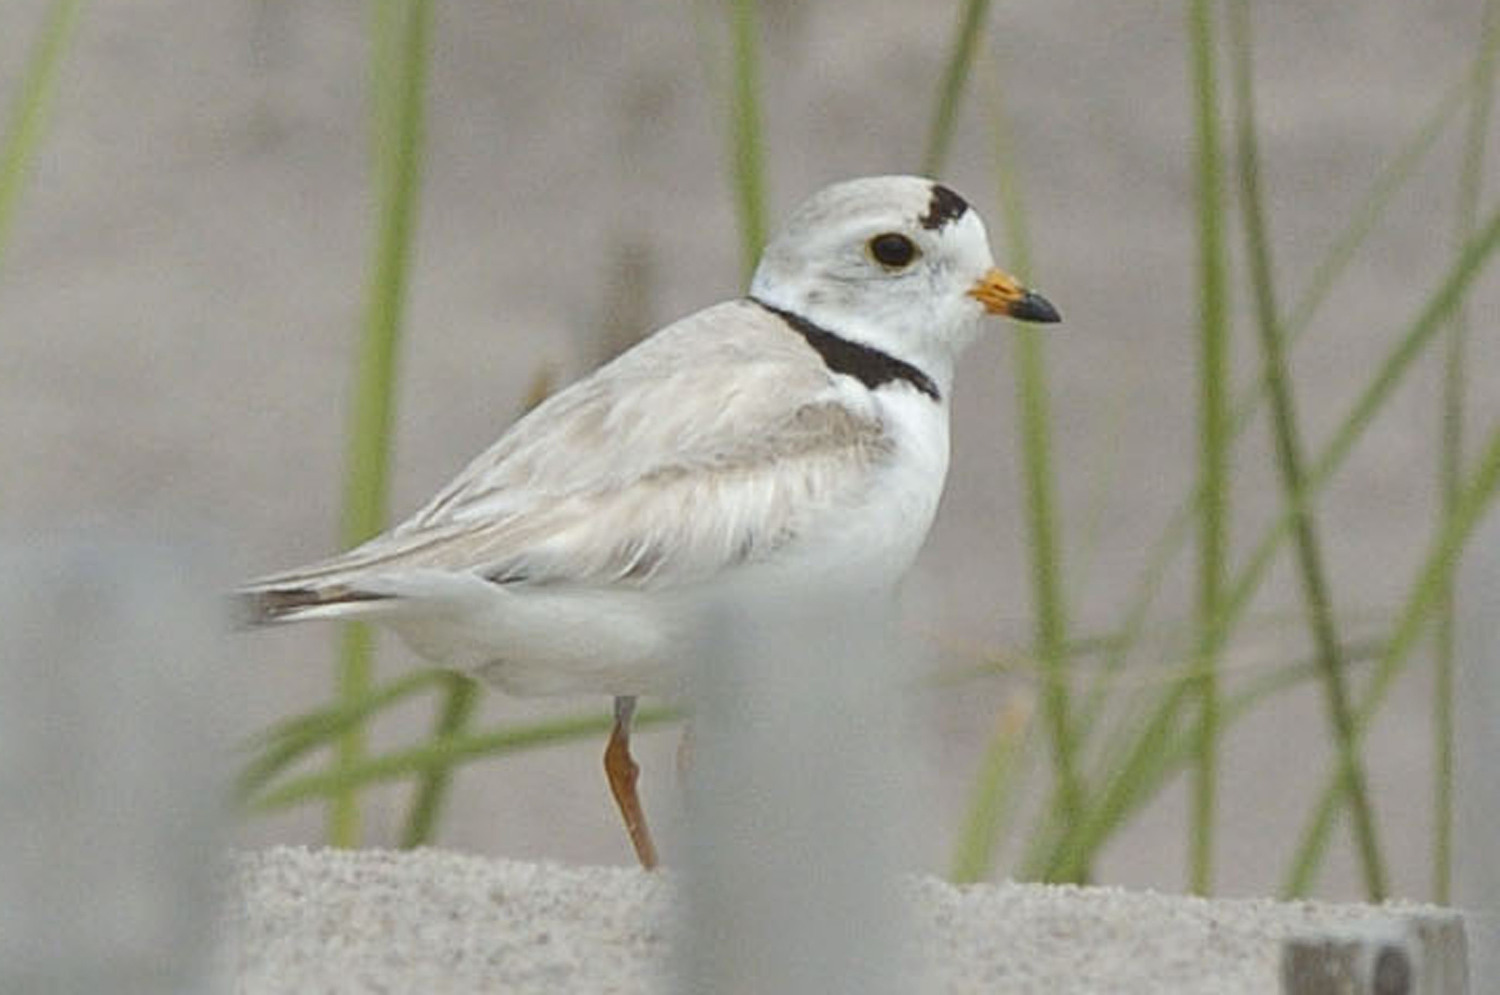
(992, 802)
(1392, 178)
(1476, 498)
(1178, 752)
(29, 111)
(446, 753)
(1213, 428)
(1451, 459)
(1084, 836)
(1117, 742)
(747, 145)
(289, 741)
(1288, 445)
(400, 59)
(1045, 549)
(1181, 751)
(460, 700)
(966, 33)
(1389, 182)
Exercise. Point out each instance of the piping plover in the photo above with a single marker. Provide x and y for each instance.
(792, 439)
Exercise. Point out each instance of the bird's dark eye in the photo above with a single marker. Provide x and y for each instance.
(892, 250)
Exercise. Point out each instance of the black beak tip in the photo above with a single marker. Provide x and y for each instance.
(1034, 307)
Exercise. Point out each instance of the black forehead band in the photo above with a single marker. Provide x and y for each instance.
(945, 207)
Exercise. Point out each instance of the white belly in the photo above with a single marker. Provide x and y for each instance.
(559, 639)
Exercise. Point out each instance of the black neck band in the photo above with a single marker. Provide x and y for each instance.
(868, 365)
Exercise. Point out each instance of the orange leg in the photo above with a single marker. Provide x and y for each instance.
(623, 771)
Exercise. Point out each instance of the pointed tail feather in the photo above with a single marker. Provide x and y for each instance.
(423, 592)
(273, 605)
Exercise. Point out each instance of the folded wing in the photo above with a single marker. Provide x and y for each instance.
(712, 444)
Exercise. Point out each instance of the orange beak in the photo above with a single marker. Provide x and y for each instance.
(1000, 293)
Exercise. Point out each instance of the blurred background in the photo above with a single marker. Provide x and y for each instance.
(182, 288)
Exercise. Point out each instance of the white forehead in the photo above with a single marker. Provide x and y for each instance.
(833, 225)
(894, 201)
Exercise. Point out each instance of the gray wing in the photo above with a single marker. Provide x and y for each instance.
(713, 443)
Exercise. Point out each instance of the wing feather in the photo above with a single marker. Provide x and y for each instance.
(715, 442)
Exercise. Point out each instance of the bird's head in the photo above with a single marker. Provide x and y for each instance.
(900, 263)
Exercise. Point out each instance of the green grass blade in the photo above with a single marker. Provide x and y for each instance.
(1045, 547)
(1135, 695)
(459, 703)
(1085, 835)
(1166, 637)
(747, 144)
(1435, 577)
(966, 33)
(1438, 308)
(355, 655)
(446, 753)
(1397, 363)
(1288, 445)
(1213, 426)
(1138, 611)
(992, 802)
(289, 741)
(1450, 460)
(400, 61)
(1179, 750)
(1179, 753)
(1080, 840)
(1390, 181)
(28, 113)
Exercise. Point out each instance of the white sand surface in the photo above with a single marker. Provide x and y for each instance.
(434, 921)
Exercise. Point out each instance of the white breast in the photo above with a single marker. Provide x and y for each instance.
(870, 541)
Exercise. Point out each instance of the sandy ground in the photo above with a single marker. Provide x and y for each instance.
(181, 293)
(440, 922)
